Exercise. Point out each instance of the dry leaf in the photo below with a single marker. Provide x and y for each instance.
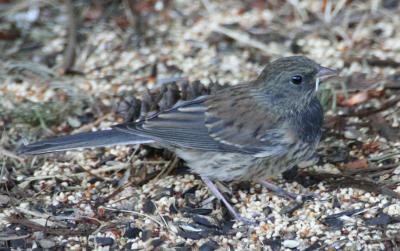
(370, 147)
(376, 93)
(355, 99)
(356, 164)
(9, 34)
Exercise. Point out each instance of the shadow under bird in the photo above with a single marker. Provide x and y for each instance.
(249, 131)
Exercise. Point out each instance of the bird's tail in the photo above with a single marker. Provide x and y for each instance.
(83, 140)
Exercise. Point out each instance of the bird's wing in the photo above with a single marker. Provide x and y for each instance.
(254, 128)
(230, 121)
(183, 125)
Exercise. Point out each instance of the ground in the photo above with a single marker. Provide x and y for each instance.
(65, 65)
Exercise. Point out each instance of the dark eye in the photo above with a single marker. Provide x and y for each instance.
(297, 79)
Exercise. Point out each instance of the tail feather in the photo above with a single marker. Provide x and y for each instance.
(83, 140)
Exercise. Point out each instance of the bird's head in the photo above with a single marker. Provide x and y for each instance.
(292, 79)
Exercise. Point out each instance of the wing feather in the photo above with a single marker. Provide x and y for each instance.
(206, 123)
(182, 126)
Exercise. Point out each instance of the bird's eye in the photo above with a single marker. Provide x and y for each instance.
(297, 79)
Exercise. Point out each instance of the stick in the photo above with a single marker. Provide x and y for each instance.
(69, 54)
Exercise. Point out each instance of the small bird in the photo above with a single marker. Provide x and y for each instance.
(249, 131)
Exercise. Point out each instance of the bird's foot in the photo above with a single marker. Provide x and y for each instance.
(285, 194)
(230, 208)
(244, 220)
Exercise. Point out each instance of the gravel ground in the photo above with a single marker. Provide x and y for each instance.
(143, 198)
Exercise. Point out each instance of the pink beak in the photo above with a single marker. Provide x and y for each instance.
(325, 73)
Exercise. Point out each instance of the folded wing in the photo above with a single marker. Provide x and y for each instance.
(230, 121)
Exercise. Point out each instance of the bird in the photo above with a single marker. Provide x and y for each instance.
(245, 132)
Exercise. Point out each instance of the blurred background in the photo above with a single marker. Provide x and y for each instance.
(66, 65)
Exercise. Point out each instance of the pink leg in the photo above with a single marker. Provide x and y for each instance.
(219, 196)
(282, 193)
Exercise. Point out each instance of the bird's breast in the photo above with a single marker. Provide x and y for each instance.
(308, 122)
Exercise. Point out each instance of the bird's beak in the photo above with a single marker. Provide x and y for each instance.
(323, 74)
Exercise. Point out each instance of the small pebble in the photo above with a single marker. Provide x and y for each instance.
(290, 243)
(46, 243)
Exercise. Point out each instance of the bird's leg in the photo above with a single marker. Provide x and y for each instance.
(278, 190)
(221, 197)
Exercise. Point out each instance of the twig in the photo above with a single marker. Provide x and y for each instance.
(102, 225)
(81, 174)
(346, 180)
(243, 38)
(10, 154)
(95, 174)
(13, 237)
(162, 218)
(69, 54)
(113, 194)
(134, 213)
(93, 124)
(58, 218)
(167, 170)
(365, 112)
(384, 106)
(130, 11)
(48, 230)
(374, 61)
(354, 18)
(236, 35)
(370, 169)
